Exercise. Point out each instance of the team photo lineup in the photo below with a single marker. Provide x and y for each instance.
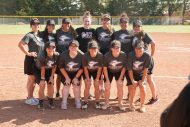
(62, 60)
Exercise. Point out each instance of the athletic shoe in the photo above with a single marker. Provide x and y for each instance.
(84, 105)
(36, 100)
(51, 106)
(105, 106)
(57, 96)
(64, 106)
(152, 101)
(97, 105)
(132, 108)
(78, 104)
(142, 109)
(122, 108)
(41, 107)
(31, 101)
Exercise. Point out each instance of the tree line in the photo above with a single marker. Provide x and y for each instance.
(96, 7)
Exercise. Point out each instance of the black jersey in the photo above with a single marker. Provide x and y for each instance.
(71, 65)
(84, 36)
(137, 65)
(92, 63)
(126, 40)
(115, 64)
(104, 38)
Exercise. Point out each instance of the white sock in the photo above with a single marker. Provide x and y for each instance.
(65, 93)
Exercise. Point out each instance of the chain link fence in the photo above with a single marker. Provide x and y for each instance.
(77, 20)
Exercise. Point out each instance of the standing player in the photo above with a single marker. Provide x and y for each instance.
(64, 36)
(48, 34)
(137, 66)
(44, 71)
(123, 35)
(70, 64)
(104, 35)
(85, 33)
(31, 44)
(114, 66)
(92, 63)
(140, 34)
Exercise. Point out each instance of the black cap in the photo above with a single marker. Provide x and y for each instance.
(137, 23)
(34, 21)
(66, 20)
(115, 43)
(49, 44)
(50, 22)
(74, 42)
(139, 44)
(124, 20)
(92, 44)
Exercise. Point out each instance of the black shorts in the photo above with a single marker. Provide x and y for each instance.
(71, 76)
(91, 74)
(29, 65)
(151, 67)
(37, 74)
(136, 78)
(111, 75)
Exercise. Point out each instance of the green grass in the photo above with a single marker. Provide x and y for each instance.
(22, 29)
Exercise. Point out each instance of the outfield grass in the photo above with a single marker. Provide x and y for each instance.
(22, 29)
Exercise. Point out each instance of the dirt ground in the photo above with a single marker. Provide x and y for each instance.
(172, 65)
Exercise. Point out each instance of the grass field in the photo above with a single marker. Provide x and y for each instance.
(22, 29)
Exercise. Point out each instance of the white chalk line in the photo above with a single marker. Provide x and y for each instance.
(155, 76)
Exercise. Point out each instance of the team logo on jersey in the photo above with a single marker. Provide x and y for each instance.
(86, 34)
(137, 65)
(104, 37)
(50, 64)
(123, 36)
(70, 66)
(91, 65)
(65, 39)
(134, 41)
(115, 65)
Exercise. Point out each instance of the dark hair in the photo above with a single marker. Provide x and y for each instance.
(178, 113)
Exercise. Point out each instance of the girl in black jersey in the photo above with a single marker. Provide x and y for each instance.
(85, 33)
(48, 34)
(31, 44)
(64, 36)
(114, 66)
(139, 33)
(92, 63)
(104, 37)
(70, 65)
(44, 71)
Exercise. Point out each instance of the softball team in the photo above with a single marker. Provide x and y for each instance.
(107, 55)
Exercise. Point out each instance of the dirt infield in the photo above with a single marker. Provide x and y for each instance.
(172, 65)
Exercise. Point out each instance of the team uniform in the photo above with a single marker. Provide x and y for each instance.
(125, 39)
(84, 36)
(48, 63)
(35, 44)
(63, 40)
(49, 37)
(114, 64)
(147, 40)
(72, 66)
(104, 38)
(137, 65)
(92, 63)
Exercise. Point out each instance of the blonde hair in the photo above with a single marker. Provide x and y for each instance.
(87, 15)
(103, 16)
